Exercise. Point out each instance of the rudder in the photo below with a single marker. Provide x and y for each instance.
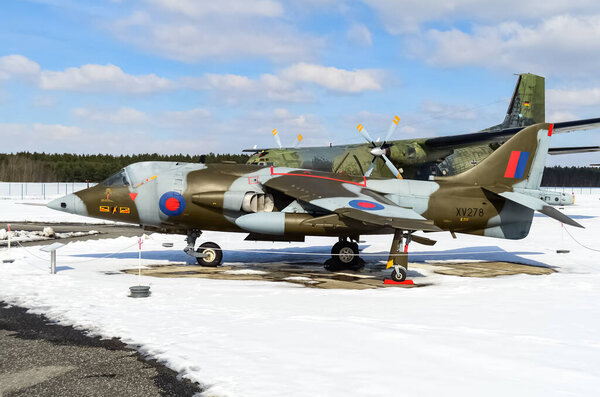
(527, 105)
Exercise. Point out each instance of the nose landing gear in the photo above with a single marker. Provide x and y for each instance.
(398, 258)
(208, 254)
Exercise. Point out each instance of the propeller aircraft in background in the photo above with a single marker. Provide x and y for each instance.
(286, 204)
(423, 157)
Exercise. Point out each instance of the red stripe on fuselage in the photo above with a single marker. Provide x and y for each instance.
(364, 184)
(550, 129)
(512, 164)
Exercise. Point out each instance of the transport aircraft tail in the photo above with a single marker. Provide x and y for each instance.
(527, 105)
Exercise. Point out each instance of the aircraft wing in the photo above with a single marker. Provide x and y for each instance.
(504, 134)
(536, 205)
(348, 199)
(571, 150)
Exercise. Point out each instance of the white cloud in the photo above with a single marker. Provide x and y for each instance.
(288, 85)
(192, 31)
(360, 35)
(102, 78)
(87, 78)
(225, 82)
(556, 117)
(334, 79)
(561, 44)
(407, 16)
(561, 98)
(39, 137)
(56, 131)
(196, 9)
(17, 66)
(123, 115)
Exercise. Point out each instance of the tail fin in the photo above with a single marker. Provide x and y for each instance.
(528, 103)
(517, 163)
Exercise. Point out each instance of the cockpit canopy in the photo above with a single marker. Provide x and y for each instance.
(118, 179)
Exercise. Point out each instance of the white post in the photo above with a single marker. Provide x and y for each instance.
(139, 261)
(8, 242)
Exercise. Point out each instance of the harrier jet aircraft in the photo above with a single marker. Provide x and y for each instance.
(287, 204)
(422, 157)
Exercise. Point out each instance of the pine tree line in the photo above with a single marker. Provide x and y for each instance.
(571, 176)
(42, 167)
(66, 167)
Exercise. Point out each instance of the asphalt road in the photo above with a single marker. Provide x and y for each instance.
(39, 358)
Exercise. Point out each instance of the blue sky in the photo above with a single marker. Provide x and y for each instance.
(184, 76)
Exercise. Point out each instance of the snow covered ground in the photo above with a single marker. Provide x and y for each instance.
(512, 335)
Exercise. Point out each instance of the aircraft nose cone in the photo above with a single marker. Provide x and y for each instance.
(69, 203)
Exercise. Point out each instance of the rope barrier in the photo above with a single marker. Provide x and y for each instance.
(79, 262)
(384, 255)
(570, 235)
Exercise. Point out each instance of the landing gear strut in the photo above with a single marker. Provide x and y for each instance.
(398, 258)
(208, 254)
(344, 255)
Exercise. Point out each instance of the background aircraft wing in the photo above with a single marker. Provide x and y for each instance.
(348, 198)
(505, 134)
(571, 150)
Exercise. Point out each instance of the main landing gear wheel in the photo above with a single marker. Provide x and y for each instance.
(344, 255)
(399, 274)
(341, 244)
(213, 254)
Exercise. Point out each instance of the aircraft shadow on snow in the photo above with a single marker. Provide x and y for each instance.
(538, 215)
(319, 254)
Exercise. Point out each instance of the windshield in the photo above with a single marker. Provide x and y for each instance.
(118, 179)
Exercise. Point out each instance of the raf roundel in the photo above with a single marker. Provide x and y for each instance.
(365, 205)
(172, 203)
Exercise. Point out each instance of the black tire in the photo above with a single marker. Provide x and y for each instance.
(345, 254)
(215, 255)
(336, 247)
(399, 277)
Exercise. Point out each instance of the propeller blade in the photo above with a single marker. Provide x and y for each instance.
(392, 167)
(392, 128)
(363, 131)
(299, 137)
(371, 167)
(277, 139)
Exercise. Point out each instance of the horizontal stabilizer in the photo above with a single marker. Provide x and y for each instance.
(572, 150)
(536, 205)
(576, 125)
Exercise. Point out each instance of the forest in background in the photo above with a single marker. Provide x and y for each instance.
(41, 167)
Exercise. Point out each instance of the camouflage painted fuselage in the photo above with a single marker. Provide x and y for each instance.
(212, 196)
(419, 158)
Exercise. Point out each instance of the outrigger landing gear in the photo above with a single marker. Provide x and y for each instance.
(398, 258)
(344, 255)
(208, 254)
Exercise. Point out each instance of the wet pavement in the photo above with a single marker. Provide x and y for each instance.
(40, 358)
